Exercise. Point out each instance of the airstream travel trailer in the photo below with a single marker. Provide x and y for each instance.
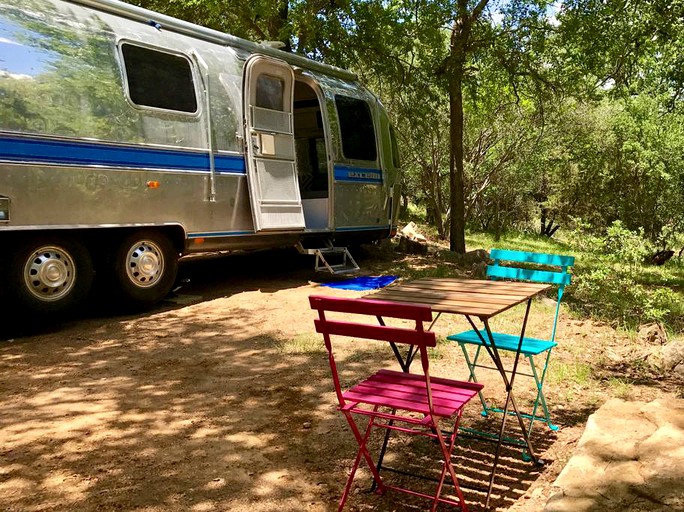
(129, 138)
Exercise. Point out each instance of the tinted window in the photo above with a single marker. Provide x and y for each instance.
(158, 79)
(269, 92)
(356, 127)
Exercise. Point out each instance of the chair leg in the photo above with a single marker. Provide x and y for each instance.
(541, 399)
(448, 466)
(472, 377)
(363, 452)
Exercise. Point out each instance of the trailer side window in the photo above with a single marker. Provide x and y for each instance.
(159, 80)
(356, 127)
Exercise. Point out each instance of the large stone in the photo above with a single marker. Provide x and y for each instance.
(411, 231)
(479, 270)
(409, 246)
(476, 256)
(630, 458)
(652, 334)
(670, 358)
(468, 259)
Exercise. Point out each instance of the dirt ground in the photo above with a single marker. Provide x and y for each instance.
(220, 399)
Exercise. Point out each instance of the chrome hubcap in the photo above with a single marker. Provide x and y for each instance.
(144, 264)
(50, 273)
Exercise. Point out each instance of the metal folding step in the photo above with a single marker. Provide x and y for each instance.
(336, 260)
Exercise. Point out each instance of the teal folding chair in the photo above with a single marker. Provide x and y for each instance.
(530, 347)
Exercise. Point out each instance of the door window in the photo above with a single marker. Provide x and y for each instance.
(269, 92)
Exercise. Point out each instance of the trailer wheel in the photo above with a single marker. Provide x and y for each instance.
(50, 275)
(144, 268)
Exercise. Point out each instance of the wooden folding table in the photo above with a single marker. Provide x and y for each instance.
(473, 299)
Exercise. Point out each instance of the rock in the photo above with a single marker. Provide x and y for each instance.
(479, 270)
(409, 246)
(386, 245)
(630, 458)
(478, 256)
(450, 256)
(652, 334)
(411, 231)
(412, 242)
(669, 358)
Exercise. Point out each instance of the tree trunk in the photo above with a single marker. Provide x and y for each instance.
(548, 226)
(458, 56)
(457, 224)
(457, 227)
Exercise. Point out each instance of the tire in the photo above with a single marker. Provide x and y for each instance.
(50, 274)
(143, 269)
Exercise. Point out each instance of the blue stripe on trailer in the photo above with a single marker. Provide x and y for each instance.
(229, 164)
(61, 152)
(357, 174)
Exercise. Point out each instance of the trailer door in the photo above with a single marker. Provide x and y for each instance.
(271, 171)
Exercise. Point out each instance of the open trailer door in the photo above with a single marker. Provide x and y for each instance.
(271, 170)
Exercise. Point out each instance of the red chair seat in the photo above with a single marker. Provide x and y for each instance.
(407, 391)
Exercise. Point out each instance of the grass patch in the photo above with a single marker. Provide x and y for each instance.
(620, 388)
(516, 241)
(304, 343)
(567, 374)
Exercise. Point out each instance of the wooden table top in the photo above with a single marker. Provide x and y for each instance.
(482, 299)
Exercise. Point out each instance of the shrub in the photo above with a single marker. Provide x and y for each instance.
(612, 283)
(609, 293)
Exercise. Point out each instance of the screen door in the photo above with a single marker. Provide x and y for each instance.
(271, 170)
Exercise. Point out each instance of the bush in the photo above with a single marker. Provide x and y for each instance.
(612, 286)
(609, 293)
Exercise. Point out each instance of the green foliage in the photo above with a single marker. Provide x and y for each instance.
(626, 246)
(569, 374)
(609, 293)
(612, 283)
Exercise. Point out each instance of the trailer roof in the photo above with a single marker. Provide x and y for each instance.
(183, 27)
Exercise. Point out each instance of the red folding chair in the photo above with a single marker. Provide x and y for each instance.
(404, 402)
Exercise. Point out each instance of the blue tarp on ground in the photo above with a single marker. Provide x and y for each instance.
(362, 283)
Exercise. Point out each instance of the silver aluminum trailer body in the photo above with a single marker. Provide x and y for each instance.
(128, 138)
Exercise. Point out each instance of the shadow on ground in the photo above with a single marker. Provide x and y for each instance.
(200, 408)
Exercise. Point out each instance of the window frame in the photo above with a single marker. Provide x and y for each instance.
(148, 108)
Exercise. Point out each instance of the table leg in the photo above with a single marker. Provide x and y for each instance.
(491, 348)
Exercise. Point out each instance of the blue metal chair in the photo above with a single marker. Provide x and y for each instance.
(530, 347)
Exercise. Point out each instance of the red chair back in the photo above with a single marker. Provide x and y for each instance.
(379, 309)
